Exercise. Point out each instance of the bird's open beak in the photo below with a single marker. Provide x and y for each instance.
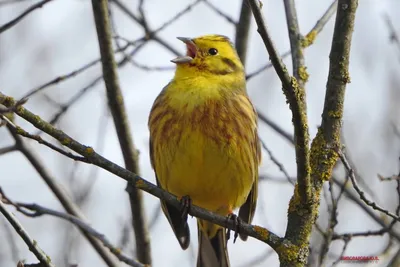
(191, 51)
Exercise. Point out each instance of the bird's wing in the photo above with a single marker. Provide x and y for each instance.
(247, 210)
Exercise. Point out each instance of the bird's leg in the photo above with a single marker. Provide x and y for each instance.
(237, 223)
(186, 202)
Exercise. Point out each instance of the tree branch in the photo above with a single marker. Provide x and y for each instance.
(14, 21)
(61, 195)
(372, 204)
(149, 33)
(118, 111)
(301, 217)
(303, 207)
(255, 231)
(299, 70)
(242, 31)
(32, 244)
(296, 98)
(308, 40)
(35, 210)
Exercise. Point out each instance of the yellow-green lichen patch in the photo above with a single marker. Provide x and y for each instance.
(309, 39)
(89, 151)
(66, 141)
(323, 157)
(295, 200)
(8, 101)
(140, 184)
(19, 109)
(36, 118)
(335, 114)
(116, 251)
(288, 253)
(262, 232)
(345, 75)
(299, 92)
(48, 259)
(303, 74)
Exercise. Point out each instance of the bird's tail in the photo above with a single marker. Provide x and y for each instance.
(213, 250)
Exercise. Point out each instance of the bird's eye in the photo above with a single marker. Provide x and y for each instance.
(213, 51)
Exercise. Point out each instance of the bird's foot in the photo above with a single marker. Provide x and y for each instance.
(237, 223)
(186, 202)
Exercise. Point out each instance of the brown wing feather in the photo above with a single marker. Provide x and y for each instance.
(247, 210)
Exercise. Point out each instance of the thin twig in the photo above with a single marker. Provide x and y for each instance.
(62, 78)
(289, 137)
(299, 70)
(307, 40)
(356, 200)
(32, 244)
(9, 2)
(346, 243)
(394, 37)
(319, 26)
(35, 210)
(277, 163)
(220, 12)
(61, 195)
(328, 236)
(358, 189)
(14, 21)
(149, 33)
(18, 130)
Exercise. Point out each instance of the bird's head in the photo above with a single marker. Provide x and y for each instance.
(209, 55)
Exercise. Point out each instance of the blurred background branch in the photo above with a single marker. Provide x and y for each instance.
(118, 111)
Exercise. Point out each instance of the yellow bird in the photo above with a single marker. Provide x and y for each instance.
(204, 144)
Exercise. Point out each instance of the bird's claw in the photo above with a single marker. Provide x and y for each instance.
(237, 223)
(186, 202)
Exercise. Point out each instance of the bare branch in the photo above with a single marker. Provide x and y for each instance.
(118, 111)
(394, 37)
(360, 192)
(277, 163)
(10, 2)
(265, 67)
(289, 137)
(18, 130)
(148, 32)
(302, 216)
(299, 70)
(257, 232)
(14, 21)
(62, 78)
(307, 40)
(32, 244)
(242, 31)
(220, 12)
(296, 99)
(356, 200)
(7, 149)
(346, 243)
(61, 195)
(319, 26)
(35, 210)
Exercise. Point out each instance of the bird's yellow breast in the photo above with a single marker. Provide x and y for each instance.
(207, 152)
